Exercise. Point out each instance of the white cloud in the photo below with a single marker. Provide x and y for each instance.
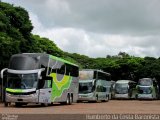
(98, 28)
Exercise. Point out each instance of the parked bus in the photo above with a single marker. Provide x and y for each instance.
(40, 78)
(0, 90)
(147, 88)
(93, 85)
(125, 89)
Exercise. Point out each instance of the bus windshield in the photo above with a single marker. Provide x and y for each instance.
(86, 75)
(145, 90)
(121, 88)
(22, 81)
(85, 87)
(145, 82)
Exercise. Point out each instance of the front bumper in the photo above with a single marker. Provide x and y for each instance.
(121, 96)
(32, 98)
(144, 96)
(86, 97)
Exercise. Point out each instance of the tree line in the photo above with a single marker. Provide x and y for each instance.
(16, 37)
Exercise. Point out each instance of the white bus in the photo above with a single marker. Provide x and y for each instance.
(147, 88)
(93, 85)
(125, 89)
(39, 78)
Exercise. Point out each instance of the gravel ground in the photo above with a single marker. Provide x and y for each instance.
(111, 107)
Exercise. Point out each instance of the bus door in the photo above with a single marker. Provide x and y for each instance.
(45, 91)
(132, 90)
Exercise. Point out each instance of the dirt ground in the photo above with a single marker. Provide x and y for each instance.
(111, 107)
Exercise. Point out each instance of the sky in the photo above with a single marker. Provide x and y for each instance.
(97, 28)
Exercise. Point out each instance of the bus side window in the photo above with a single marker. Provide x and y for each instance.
(48, 84)
(72, 70)
(154, 83)
(61, 68)
(45, 82)
(98, 89)
(94, 86)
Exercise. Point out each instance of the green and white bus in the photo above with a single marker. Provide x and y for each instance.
(93, 85)
(125, 89)
(147, 88)
(39, 78)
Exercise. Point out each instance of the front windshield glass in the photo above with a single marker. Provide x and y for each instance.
(121, 88)
(22, 81)
(85, 87)
(145, 90)
(145, 82)
(86, 75)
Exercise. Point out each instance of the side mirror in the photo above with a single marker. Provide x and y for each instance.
(2, 72)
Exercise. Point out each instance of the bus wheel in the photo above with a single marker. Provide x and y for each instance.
(68, 102)
(96, 98)
(107, 98)
(6, 104)
(136, 96)
(71, 99)
(44, 104)
(18, 104)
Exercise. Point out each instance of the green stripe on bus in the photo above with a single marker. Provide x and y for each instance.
(58, 87)
(62, 60)
(14, 90)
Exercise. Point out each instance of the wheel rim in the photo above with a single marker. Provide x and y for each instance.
(68, 99)
(107, 98)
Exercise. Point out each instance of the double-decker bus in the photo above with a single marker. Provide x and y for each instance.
(147, 88)
(93, 85)
(125, 89)
(39, 78)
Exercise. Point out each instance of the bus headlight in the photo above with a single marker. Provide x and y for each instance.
(150, 90)
(34, 95)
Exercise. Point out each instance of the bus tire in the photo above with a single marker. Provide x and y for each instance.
(107, 98)
(44, 104)
(18, 104)
(71, 99)
(68, 102)
(6, 104)
(96, 98)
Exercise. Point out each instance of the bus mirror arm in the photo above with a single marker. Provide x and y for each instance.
(39, 73)
(2, 71)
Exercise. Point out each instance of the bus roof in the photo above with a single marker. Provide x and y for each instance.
(62, 60)
(52, 57)
(95, 70)
(146, 79)
(86, 81)
(124, 81)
